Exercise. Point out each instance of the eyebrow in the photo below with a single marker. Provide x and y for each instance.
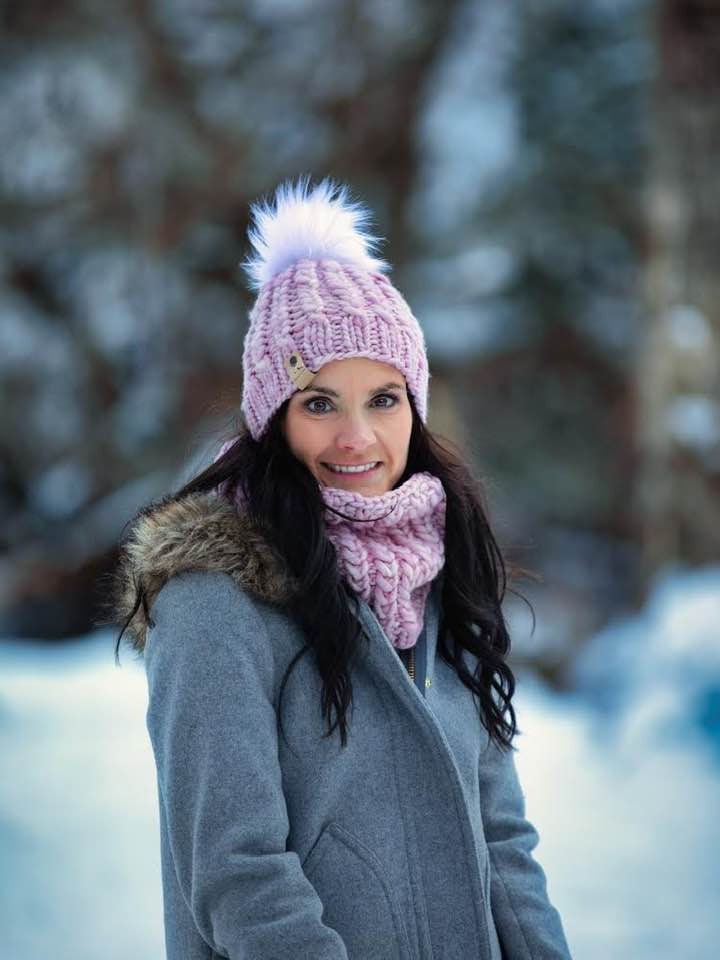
(333, 393)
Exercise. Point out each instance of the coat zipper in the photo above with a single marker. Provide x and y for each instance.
(410, 663)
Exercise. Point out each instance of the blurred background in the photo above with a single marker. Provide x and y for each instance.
(545, 173)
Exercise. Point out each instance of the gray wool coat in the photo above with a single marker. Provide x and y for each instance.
(409, 844)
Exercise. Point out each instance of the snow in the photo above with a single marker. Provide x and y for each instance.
(81, 869)
(653, 677)
(629, 837)
(624, 790)
(693, 420)
(688, 328)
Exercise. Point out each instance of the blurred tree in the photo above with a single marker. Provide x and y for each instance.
(530, 274)
(504, 148)
(134, 135)
(679, 365)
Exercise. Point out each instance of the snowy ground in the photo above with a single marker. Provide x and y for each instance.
(624, 789)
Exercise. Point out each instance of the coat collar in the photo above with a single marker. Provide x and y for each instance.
(200, 531)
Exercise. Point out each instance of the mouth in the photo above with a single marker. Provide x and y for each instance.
(351, 470)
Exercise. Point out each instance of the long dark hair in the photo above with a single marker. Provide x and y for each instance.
(283, 499)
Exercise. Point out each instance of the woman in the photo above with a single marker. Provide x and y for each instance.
(320, 617)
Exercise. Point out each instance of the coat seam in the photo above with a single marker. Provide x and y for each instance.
(370, 858)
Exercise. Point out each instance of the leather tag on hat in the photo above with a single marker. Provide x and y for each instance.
(299, 373)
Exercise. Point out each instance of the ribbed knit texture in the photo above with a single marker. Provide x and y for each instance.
(391, 558)
(327, 311)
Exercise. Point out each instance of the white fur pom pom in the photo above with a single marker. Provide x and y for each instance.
(320, 224)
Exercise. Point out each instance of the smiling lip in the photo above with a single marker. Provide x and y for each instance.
(371, 466)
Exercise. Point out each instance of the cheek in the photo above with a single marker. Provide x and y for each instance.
(303, 437)
(401, 434)
(406, 429)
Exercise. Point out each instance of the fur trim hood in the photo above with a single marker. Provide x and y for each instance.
(201, 531)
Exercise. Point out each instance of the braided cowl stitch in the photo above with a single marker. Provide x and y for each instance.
(391, 559)
(327, 311)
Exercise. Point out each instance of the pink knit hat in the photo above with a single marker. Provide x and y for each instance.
(322, 296)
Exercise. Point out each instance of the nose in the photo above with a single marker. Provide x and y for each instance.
(354, 435)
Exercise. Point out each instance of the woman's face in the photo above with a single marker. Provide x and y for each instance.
(356, 412)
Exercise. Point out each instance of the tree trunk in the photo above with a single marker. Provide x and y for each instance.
(679, 366)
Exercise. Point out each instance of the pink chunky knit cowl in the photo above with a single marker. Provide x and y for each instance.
(391, 550)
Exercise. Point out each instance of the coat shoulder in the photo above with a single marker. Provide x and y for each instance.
(201, 532)
(209, 614)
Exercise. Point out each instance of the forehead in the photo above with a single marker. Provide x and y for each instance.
(357, 371)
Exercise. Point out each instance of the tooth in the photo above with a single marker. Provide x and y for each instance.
(361, 468)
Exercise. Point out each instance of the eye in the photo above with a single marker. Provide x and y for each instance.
(391, 397)
(309, 404)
